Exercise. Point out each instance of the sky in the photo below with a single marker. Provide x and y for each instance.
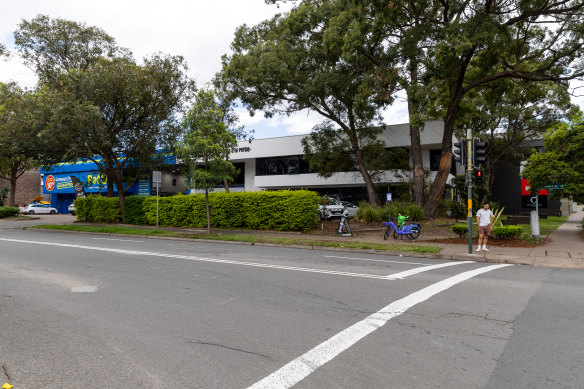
(201, 31)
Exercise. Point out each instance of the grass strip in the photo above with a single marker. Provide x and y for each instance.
(252, 239)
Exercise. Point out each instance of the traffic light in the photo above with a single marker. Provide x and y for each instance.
(459, 151)
(479, 152)
(480, 181)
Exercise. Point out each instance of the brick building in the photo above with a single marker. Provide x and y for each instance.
(28, 186)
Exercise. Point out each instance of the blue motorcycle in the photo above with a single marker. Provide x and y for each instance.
(411, 231)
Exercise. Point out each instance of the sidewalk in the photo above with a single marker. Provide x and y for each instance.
(565, 248)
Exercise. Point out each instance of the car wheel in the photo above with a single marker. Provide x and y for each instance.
(53, 212)
(31, 212)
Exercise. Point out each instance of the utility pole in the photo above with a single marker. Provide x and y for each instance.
(469, 156)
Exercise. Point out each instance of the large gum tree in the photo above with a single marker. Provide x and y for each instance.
(285, 65)
(442, 50)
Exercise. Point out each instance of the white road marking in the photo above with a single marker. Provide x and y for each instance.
(200, 259)
(121, 240)
(298, 369)
(373, 260)
(422, 269)
(84, 289)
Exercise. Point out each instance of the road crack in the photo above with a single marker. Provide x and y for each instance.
(8, 377)
(228, 347)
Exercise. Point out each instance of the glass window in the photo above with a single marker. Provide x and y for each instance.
(435, 156)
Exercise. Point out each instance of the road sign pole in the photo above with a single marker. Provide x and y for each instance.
(469, 195)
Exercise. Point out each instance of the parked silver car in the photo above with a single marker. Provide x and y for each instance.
(39, 209)
(333, 209)
(351, 208)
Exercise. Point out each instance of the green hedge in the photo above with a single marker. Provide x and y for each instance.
(283, 210)
(370, 214)
(460, 229)
(8, 211)
(134, 211)
(506, 232)
(98, 209)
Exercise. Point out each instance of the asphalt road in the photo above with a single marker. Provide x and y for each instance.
(94, 311)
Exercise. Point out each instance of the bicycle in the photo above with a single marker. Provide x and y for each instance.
(411, 231)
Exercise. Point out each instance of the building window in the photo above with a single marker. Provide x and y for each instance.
(174, 182)
(276, 166)
(435, 156)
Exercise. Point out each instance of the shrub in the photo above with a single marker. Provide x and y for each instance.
(283, 210)
(507, 232)
(8, 211)
(134, 211)
(367, 213)
(415, 212)
(458, 209)
(3, 195)
(460, 229)
(98, 209)
(444, 206)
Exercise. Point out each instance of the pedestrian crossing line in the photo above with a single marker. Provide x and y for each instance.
(301, 367)
(422, 269)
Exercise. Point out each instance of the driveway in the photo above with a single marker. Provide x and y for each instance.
(27, 221)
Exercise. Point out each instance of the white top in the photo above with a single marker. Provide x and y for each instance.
(484, 217)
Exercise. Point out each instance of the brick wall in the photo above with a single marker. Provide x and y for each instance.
(28, 187)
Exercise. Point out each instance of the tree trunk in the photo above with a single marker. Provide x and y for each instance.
(439, 183)
(13, 178)
(367, 178)
(226, 184)
(207, 209)
(418, 195)
(110, 186)
(121, 194)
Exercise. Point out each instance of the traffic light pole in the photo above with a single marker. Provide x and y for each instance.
(469, 178)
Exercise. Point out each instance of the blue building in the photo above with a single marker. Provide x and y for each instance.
(56, 182)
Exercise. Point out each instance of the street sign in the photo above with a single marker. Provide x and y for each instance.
(388, 197)
(156, 179)
(555, 186)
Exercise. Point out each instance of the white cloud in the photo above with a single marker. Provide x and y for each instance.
(201, 31)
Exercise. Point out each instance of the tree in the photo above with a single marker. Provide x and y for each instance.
(134, 110)
(226, 105)
(17, 127)
(446, 49)
(52, 47)
(111, 110)
(506, 113)
(285, 65)
(562, 163)
(205, 144)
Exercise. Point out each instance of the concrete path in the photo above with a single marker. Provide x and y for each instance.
(565, 248)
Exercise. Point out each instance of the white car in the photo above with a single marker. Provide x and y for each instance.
(351, 208)
(38, 209)
(333, 209)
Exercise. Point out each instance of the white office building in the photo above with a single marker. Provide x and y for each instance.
(277, 163)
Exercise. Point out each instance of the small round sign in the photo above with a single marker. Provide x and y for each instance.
(50, 183)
